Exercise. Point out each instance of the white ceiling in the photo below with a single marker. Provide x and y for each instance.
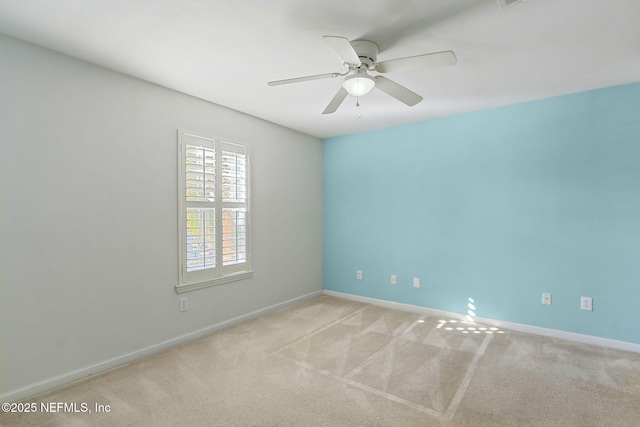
(225, 51)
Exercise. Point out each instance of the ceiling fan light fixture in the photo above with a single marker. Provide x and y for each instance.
(359, 84)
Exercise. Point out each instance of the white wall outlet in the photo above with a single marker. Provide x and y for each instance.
(416, 282)
(359, 274)
(184, 304)
(586, 303)
(546, 298)
(394, 279)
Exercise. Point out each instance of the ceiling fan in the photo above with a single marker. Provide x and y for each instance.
(360, 57)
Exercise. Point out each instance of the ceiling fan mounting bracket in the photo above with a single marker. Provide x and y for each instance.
(367, 52)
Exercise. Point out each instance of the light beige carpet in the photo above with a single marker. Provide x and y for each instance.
(334, 362)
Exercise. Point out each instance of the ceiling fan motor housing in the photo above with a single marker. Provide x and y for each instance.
(367, 52)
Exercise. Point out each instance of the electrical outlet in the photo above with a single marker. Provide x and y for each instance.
(416, 282)
(586, 303)
(184, 304)
(546, 298)
(359, 274)
(394, 280)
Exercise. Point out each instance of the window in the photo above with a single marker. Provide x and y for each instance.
(214, 211)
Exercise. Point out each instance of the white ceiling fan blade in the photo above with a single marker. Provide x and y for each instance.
(343, 47)
(429, 60)
(399, 92)
(336, 101)
(303, 79)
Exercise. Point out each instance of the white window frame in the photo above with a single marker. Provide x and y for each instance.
(222, 271)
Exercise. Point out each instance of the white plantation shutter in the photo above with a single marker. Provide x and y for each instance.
(214, 211)
(200, 180)
(234, 205)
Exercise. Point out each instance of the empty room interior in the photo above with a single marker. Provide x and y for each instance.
(288, 212)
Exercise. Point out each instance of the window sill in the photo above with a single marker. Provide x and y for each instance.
(218, 281)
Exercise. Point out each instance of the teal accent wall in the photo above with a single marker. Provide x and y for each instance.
(498, 205)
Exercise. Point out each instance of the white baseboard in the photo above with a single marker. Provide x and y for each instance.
(552, 333)
(69, 377)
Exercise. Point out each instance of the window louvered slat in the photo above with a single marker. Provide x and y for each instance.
(234, 236)
(234, 177)
(200, 174)
(201, 238)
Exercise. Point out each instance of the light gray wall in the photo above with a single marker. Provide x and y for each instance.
(88, 231)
